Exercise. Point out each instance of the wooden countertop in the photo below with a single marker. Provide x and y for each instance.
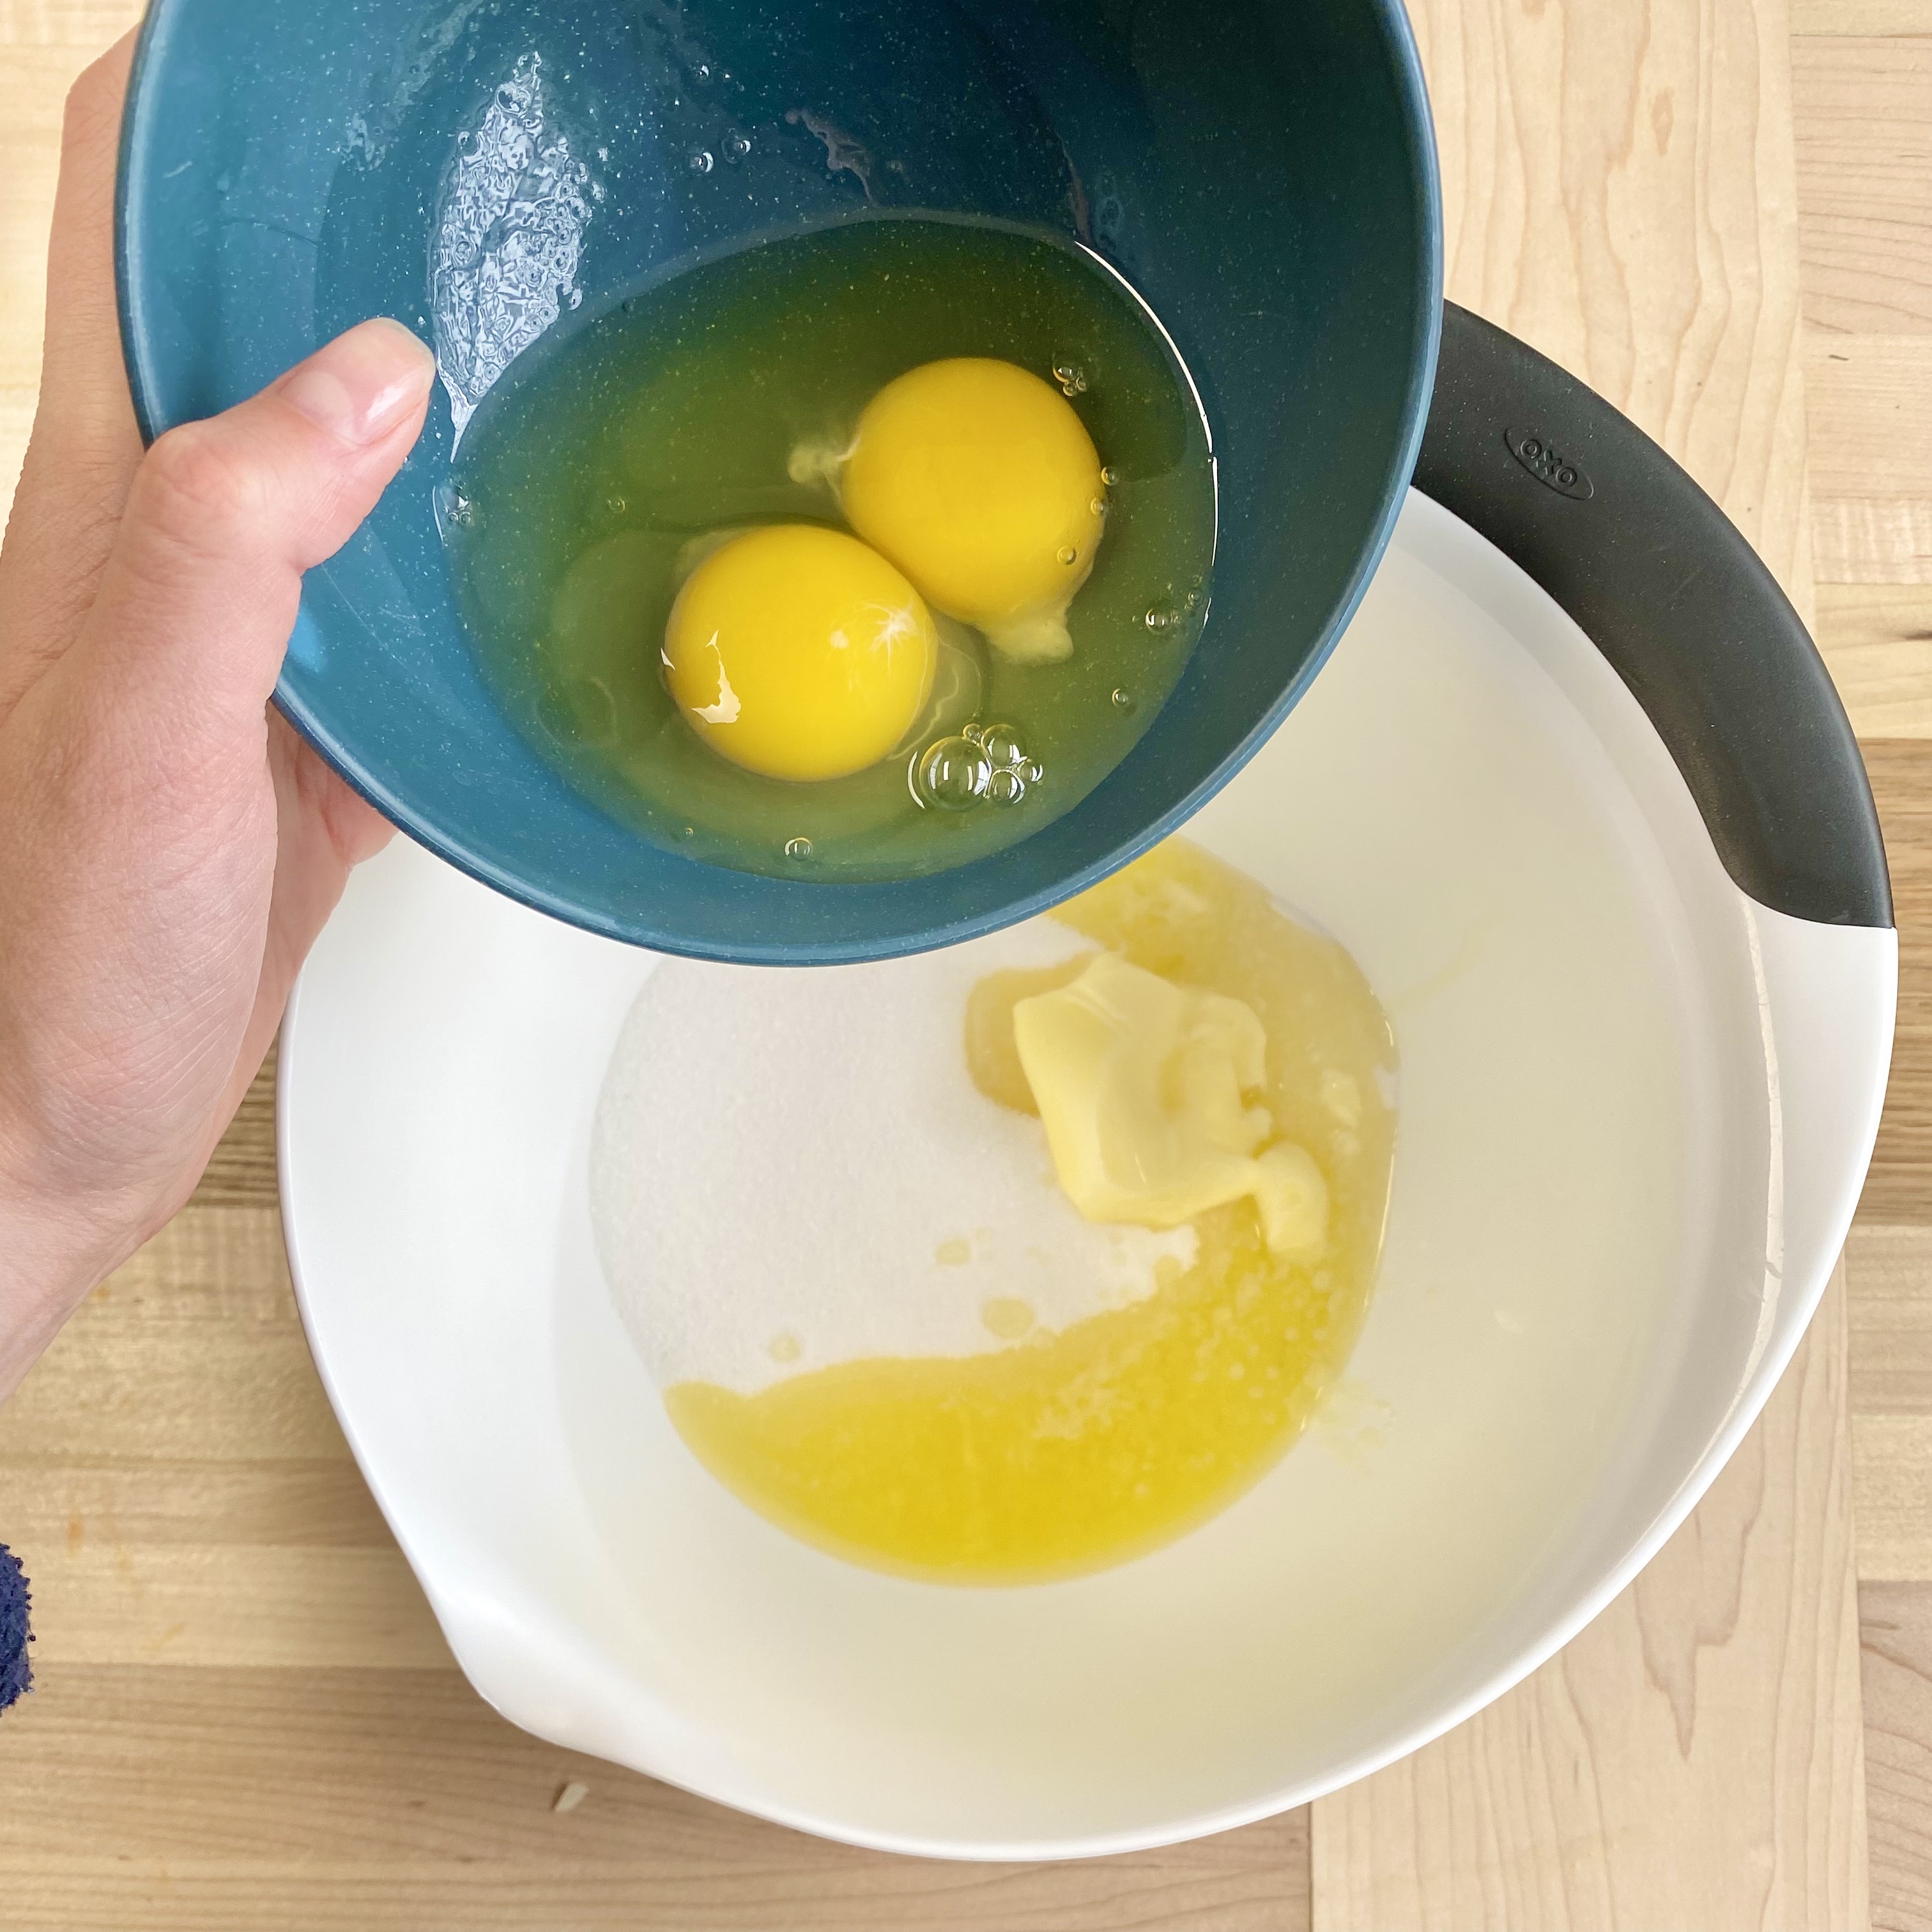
(1719, 212)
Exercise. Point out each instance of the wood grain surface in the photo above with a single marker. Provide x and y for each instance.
(1890, 1268)
(1897, 1619)
(1864, 155)
(248, 1718)
(1900, 1187)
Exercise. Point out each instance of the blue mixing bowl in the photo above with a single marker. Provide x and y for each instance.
(1263, 174)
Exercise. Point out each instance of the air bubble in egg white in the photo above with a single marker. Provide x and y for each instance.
(952, 774)
(1006, 786)
(1002, 745)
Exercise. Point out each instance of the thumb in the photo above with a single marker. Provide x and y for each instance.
(199, 595)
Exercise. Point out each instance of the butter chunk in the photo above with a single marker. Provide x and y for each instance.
(1142, 1085)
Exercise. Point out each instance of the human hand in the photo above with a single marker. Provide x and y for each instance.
(169, 848)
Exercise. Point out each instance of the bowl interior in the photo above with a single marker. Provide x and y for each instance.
(1263, 175)
(1572, 1297)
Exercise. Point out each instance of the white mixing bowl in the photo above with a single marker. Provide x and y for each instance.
(1635, 1110)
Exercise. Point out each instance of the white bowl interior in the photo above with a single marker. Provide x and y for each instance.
(1574, 1296)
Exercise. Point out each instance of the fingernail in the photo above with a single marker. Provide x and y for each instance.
(358, 387)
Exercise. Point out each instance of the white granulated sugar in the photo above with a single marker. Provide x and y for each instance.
(781, 1157)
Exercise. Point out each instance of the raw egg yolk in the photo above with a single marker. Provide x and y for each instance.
(798, 652)
(979, 481)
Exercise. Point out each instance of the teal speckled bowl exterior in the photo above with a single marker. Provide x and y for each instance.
(1264, 174)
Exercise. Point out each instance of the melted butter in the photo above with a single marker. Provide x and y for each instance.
(1062, 1453)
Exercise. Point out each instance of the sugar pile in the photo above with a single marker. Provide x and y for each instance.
(792, 1168)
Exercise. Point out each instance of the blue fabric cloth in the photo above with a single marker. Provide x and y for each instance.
(17, 1674)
